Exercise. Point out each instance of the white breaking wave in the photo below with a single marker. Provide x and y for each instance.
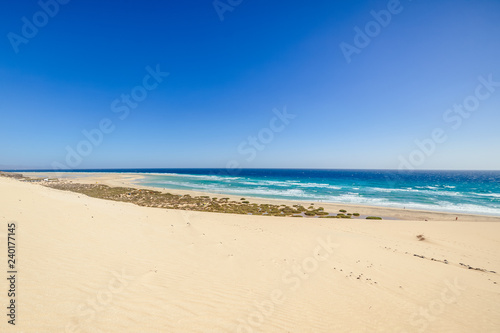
(200, 177)
(493, 195)
(388, 190)
(260, 191)
(268, 182)
(289, 184)
(443, 206)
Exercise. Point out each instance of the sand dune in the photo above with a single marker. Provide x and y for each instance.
(90, 265)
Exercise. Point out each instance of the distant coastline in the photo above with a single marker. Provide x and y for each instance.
(136, 181)
(457, 192)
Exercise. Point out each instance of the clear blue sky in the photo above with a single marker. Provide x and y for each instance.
(226, 77)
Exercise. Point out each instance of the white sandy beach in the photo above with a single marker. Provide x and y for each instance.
(91, 265)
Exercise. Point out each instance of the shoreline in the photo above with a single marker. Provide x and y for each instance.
(391, 213)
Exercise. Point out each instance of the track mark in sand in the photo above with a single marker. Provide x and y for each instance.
(477, 269)
(494, 282)
(355, 276)
(444, 261)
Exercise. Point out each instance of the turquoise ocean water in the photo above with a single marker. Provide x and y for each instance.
(476, 192)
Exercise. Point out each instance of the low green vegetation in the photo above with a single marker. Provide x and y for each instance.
(151, 198)
(373, 218)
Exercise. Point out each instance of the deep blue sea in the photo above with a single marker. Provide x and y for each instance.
(476, 192)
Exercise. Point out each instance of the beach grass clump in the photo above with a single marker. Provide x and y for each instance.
(11, 175)
(343, 211)
(299, 208)
(245, 202)
(355, 214)
(310, 213)
(288, 210)
(373, 218)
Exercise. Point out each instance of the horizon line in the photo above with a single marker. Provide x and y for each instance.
(218, 168)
